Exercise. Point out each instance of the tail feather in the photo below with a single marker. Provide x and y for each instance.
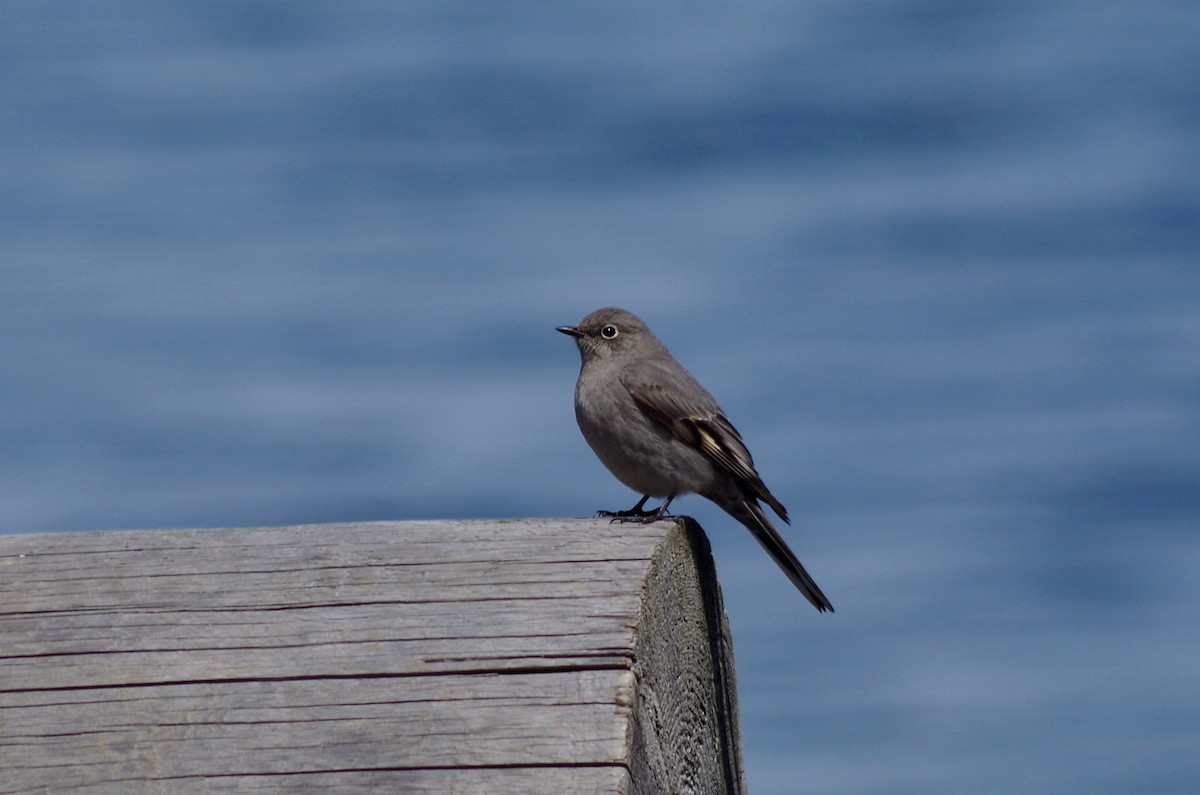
(751, 514)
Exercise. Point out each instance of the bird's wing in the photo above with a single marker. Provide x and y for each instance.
(700, 425)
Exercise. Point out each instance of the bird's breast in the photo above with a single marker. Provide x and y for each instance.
(637, 449)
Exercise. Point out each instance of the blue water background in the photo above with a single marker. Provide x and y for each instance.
(265, 263)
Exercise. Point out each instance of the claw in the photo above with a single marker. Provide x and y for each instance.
(637, 514)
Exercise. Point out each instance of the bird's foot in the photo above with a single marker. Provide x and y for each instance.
(638, 514)
(635, 515)
(649, 518)
(628, 517)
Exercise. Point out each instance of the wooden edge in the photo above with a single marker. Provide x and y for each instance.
(686, 735)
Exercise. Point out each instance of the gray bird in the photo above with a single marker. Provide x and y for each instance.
(661, 434)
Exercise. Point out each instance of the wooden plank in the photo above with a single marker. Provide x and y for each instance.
(496, 656)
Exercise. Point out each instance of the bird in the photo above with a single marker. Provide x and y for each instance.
(659, 432)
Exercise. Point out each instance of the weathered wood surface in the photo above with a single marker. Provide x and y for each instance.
(530, 656)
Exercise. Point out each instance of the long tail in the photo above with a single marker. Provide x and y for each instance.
(751, 514)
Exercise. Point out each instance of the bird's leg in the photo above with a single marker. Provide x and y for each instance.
(638, 514)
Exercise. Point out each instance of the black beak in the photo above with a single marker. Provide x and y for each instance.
(570, 331)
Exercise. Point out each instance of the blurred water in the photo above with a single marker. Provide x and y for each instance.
(271, 263)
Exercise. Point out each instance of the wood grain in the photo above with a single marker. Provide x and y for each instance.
(530, 656)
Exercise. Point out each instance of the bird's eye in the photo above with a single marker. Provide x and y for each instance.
(609, 332)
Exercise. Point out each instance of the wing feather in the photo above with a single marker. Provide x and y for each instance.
(701, 425)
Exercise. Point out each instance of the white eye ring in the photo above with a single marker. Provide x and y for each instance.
(609, 332)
